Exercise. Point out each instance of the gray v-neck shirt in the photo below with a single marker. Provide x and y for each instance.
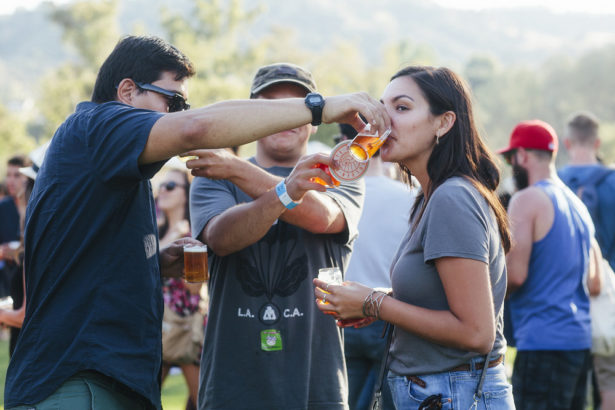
(457, 222)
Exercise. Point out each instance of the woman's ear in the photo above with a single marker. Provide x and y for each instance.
(446, 123)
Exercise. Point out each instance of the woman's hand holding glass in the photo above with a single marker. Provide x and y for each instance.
(345, 302)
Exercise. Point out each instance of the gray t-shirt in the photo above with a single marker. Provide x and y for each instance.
(457, 222)
(267, 346)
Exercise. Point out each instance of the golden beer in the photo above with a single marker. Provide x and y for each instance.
(363, 147)
(195, 263)
(321, 181)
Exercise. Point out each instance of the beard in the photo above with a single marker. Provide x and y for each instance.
(520, 177)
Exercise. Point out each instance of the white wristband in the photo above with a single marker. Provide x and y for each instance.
(286, 200)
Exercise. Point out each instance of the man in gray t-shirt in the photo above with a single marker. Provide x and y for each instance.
(267, 346)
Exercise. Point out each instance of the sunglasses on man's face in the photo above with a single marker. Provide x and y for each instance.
(169, 186)
(176, 101)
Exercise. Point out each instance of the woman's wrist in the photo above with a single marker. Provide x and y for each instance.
(372, 303)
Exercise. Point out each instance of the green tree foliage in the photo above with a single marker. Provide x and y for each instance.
(13, 138)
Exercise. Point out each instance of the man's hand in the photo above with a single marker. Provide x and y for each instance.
(214, 163)
(172, 258)
(301, 179)
(346, 109)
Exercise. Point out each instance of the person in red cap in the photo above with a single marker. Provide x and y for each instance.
(550, 258)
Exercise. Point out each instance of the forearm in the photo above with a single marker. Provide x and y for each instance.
(317, 213)
(13, 318)
(438, 326)
(242, 225)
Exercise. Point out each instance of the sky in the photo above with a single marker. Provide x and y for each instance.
(591, 6)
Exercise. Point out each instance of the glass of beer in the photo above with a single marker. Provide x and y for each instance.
(332, 276)
(195, 263)
(367, 142)
(321, 181)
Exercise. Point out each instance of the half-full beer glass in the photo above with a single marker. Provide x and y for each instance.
(195, 263)
(332, 276)
(367, 142)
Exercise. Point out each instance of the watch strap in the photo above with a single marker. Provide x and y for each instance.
(316, 109)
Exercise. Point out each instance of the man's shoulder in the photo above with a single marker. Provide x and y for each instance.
(532, 199)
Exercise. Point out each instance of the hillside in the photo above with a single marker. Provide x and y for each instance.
(30, 44)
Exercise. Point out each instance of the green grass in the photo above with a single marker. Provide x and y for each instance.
(174, 390)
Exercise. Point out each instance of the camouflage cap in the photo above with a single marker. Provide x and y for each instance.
(281, 73)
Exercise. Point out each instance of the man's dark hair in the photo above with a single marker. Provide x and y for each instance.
(17, 161)
(583, 128)
(142, 59)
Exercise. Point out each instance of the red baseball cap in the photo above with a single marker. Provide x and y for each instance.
(533, 134)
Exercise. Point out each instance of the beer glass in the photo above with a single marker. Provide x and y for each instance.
(344, 166)
(367, 142)
(332, 276)
(195, 263)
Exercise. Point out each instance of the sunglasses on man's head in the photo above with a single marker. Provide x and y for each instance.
(169, 186)
(175, 100)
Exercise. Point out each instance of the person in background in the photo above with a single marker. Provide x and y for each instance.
(181, 297)
(14, 317)
(548, 266)
(448, 275)
(594, 182)
(383, 223)
(93, 264)
(12, 209)
(269, 229)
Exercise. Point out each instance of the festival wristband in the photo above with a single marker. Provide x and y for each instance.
(286, 200)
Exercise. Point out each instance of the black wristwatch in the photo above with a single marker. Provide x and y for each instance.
(315, 103)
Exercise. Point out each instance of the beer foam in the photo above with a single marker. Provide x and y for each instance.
(196, 249)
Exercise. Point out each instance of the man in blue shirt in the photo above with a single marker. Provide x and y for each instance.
(547, 265)
(595, 184)
(91, 337)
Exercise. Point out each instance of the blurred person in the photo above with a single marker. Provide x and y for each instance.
(179, 296)
(13, 318)
(92, 326)
(448, 276)
(269, 229)
(595, 184)
(383, 223)
(3, 191)
(547, 269)
(11, 207)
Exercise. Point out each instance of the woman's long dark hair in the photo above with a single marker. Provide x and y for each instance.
(461, 151)
(162, 230)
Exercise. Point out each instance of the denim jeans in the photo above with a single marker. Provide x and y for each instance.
(457, 389)
(551, 379)
(364, 351)
(91, 390)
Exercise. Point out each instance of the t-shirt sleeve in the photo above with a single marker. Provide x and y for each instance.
(116, 138)
(456, 224)
(350, 199)
(208, 198)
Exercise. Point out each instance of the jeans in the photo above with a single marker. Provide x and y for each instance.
(91, 390)
(551, 379)
(457, 389)
(364, 351)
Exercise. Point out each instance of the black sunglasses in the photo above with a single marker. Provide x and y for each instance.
(433, 402)
(169, 186)
(176, 101)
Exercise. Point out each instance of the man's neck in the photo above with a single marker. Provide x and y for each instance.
(582, 156)
(540, 173)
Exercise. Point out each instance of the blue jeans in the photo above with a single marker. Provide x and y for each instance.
(551, 379)
(91, 390)
(364, 351)
(457, 389)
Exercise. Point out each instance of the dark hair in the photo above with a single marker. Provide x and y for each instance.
(17, 161)
(583, 128)
(461, 151)
(162, 230)
(142, 59)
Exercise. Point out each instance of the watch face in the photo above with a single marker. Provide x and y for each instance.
(314, 99)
